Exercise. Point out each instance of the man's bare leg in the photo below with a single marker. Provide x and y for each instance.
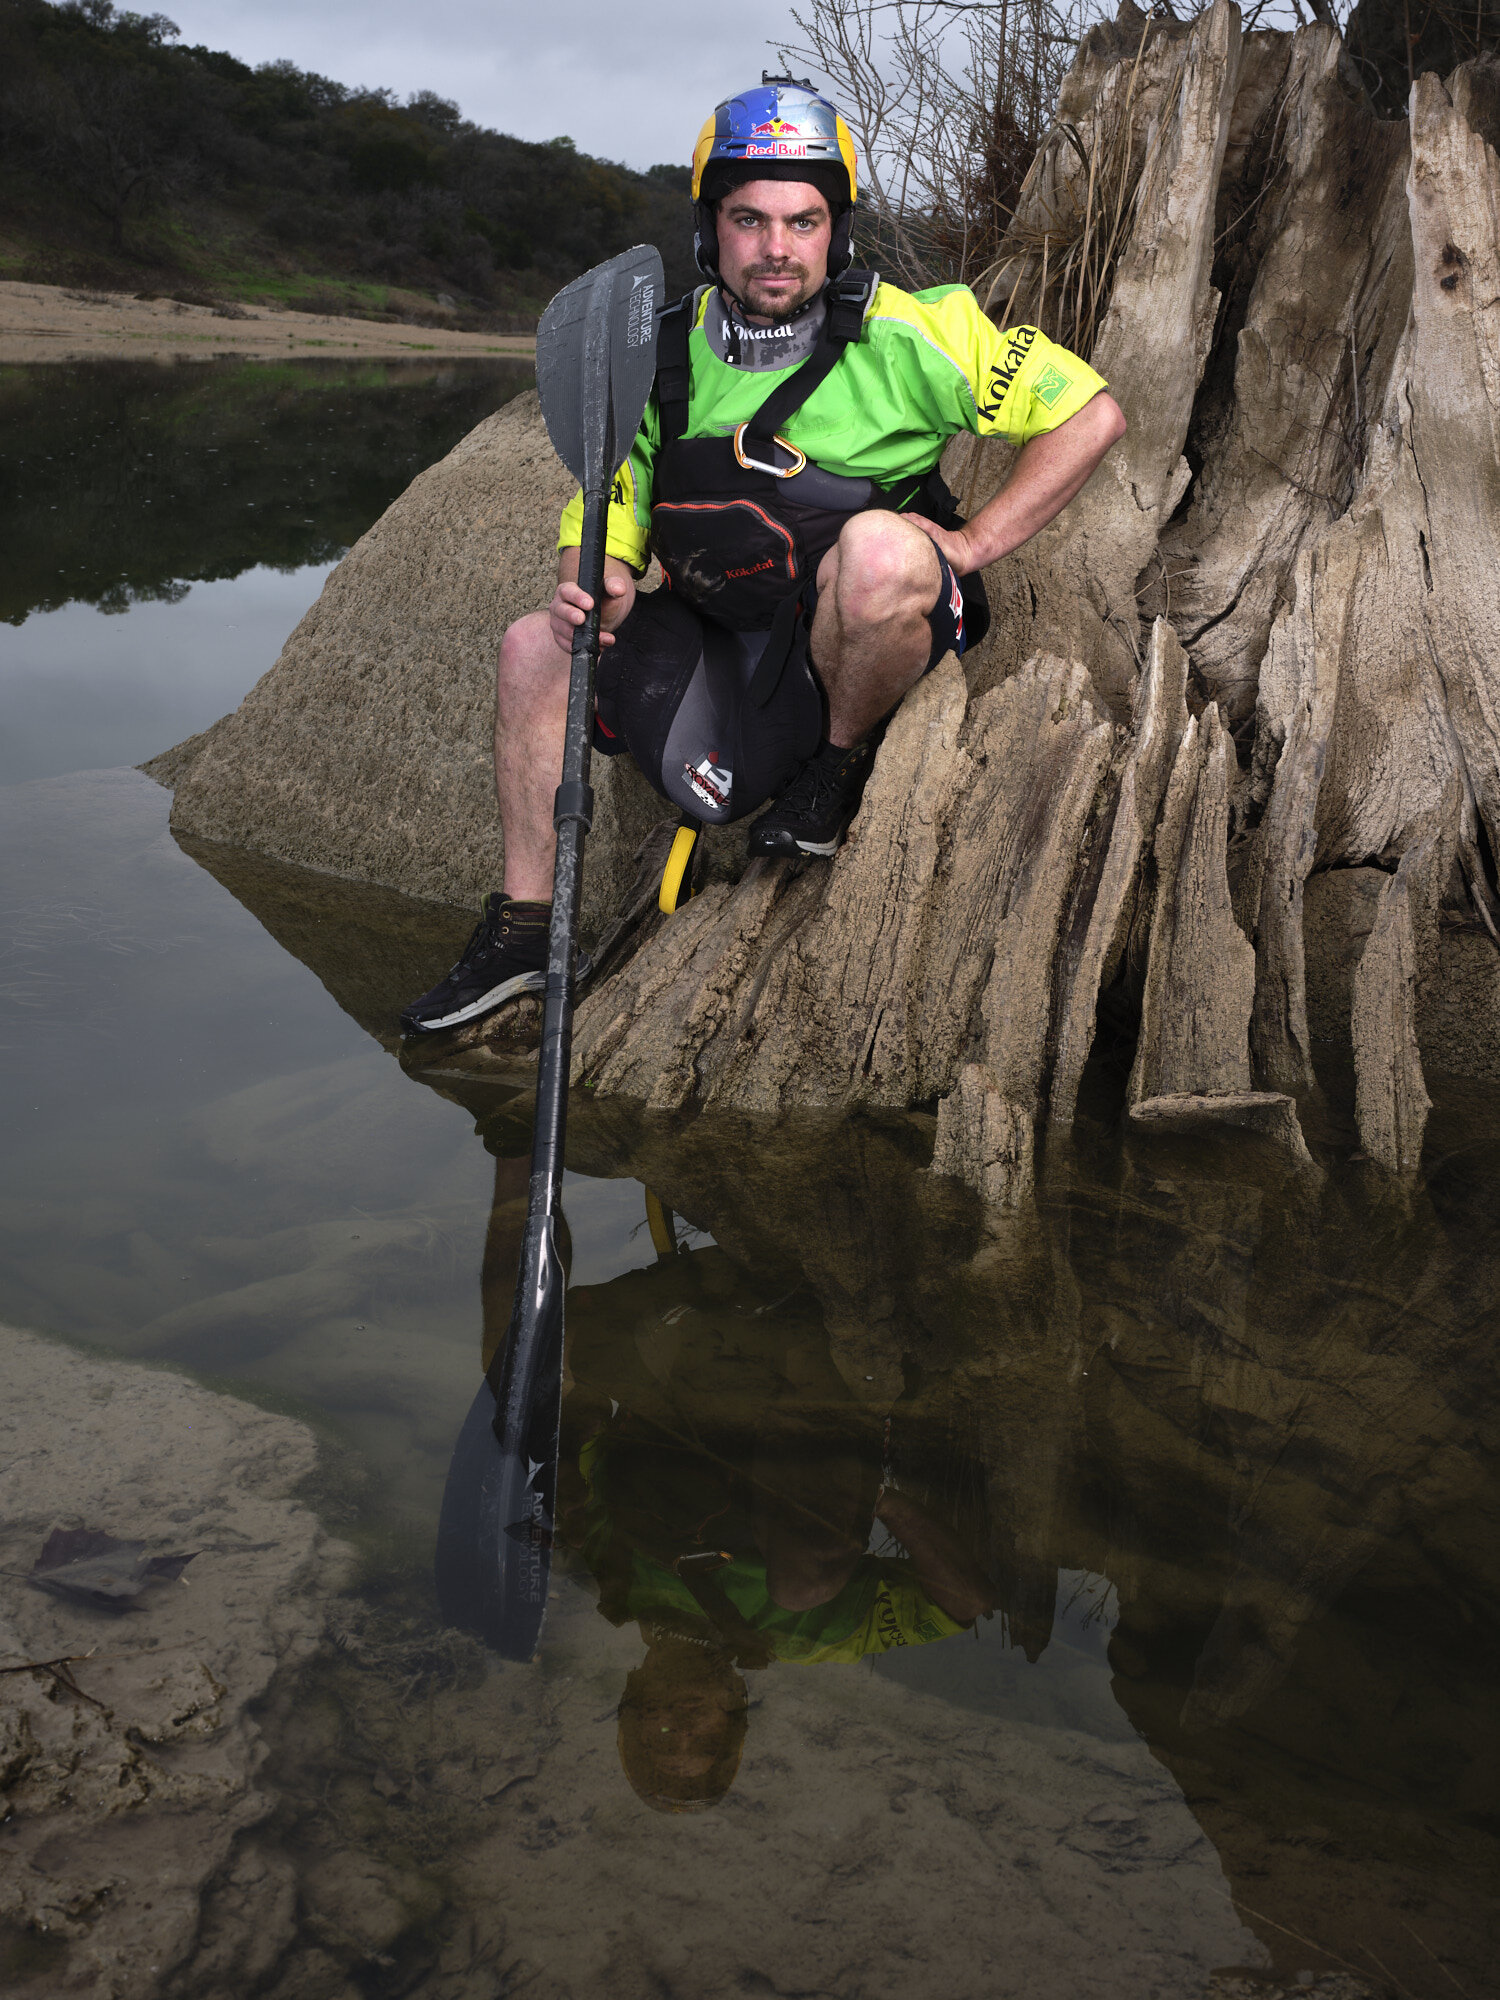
(812, 1513)
(870, 637)
(531, 711)
(507, 953)
(870, 643)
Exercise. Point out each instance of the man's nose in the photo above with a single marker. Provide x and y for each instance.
(780, 241)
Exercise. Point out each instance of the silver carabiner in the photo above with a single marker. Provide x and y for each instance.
(759, 465)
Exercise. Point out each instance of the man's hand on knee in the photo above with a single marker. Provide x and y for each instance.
(951, 543)
(571, 604)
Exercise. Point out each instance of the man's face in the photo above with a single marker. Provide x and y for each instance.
(773, 246)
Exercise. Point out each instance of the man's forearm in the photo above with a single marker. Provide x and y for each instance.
(945, 1570)
(1049, 472)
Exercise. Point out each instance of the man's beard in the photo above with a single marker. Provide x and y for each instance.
(777, 311)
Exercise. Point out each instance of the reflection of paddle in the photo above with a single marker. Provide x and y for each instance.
(595, 362)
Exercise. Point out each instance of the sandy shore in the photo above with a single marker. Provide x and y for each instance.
(51, 323)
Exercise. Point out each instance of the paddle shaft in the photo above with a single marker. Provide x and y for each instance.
(529, 1402)
(596, 361)
(573, 813)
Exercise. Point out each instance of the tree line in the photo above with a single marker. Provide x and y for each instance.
(122, 150)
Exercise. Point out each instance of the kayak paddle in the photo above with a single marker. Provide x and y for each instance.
(595, 363)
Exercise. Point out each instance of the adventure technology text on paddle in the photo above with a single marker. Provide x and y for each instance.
(595, 363)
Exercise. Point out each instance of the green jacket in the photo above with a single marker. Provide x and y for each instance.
(881, 1607)
(929, 364)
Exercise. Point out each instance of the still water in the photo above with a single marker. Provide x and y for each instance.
(164, 527)
(1209, 1453)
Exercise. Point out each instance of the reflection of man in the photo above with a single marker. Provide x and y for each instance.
(682, 1724)
(726, 1568)
(721, 1485)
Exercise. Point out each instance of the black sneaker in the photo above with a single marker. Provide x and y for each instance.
(812, 812)
(506, 956)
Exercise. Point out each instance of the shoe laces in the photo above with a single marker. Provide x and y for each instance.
(487, 936)
(822, 781)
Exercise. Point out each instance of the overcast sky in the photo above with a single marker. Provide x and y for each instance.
(629, 82)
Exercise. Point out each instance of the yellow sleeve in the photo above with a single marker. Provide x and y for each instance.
(1022, 383)
(629, 530)
(1030, 385)
(902, 1615)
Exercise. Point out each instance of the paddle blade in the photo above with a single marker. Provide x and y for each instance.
(494, 1547)
(596, 360)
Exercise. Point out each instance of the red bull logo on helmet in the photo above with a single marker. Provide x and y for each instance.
(776, 139)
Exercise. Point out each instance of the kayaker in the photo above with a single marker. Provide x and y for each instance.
(785, 477)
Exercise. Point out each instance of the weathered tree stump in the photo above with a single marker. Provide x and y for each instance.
(1262, 645)
(1302, 333)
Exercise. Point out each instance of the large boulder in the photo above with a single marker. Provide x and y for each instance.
(365, 751)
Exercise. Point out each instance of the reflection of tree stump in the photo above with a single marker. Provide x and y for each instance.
(1309, 501)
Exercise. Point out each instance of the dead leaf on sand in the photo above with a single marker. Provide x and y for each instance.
(95, 1568)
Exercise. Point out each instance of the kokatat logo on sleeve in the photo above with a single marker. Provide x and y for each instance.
(1006, 370)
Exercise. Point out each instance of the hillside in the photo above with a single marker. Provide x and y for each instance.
(127, 160)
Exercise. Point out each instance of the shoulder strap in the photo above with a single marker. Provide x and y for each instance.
(849, 299)
(781, 641)
(791, 394)
(673, 382)
(750, 1648)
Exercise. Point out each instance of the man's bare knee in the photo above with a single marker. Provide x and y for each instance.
(529, 645)
(532, 669)
(886, 568)
(802, 1581)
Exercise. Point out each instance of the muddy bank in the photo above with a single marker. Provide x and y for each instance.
(53, 323)
(128, 1765)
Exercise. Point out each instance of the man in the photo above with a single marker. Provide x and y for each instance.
(870, 386)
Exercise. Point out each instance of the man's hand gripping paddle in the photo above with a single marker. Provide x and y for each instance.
(595, 363)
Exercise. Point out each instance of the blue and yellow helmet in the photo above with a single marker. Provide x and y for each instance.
(781, 130)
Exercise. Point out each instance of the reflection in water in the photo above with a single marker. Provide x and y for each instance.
(733, 1541)
(125, 481)
(85, 689)
(1209, 1447)
(205, 501)
(1248, 1411)
(1255, 1408)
